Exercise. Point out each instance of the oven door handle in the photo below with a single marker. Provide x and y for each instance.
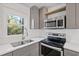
(58, 49)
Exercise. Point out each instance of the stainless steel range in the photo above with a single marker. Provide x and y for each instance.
(53, 45)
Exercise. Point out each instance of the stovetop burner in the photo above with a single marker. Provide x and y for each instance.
(51, 43)
(56, 40)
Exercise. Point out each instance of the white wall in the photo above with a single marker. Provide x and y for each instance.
(11, 9)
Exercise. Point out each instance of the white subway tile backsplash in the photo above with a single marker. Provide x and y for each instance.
(72, 35)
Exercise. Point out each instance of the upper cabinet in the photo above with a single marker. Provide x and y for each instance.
(70, 16)
(71, 10)
(77, 15)
(43, 17)
(37, 17)
(34, 17)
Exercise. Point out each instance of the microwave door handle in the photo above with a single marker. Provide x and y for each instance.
(56, 23)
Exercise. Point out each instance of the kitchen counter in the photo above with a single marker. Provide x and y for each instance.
(72, 46)
(6, 48)
(72, 40)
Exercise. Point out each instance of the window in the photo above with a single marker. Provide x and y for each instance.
(15, 25)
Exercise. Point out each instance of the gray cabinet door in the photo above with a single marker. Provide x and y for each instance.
(8, 54)
(72, 10)
(43, 17)
(70, 16)
(21, 52)
(70, 53)
(34, 49)
(31, 50)
(77, 15)
(34, 17)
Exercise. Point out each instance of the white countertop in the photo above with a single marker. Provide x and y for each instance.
(6, 48)
(72, 40)
(72, 46)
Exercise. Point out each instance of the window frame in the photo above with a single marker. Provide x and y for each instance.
(21, 25)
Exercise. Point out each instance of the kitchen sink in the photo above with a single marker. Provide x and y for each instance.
(19, 43)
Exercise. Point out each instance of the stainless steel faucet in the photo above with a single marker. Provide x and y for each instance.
(26, 32)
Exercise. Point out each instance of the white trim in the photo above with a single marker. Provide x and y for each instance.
(7, 26)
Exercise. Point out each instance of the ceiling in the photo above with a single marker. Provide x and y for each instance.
(42, 4)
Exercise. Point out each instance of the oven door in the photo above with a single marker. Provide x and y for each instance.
(47, 50)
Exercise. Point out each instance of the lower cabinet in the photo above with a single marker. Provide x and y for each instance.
(21, 52)
(34, 49)
(31, 50)
(68, 52)
(8, 54)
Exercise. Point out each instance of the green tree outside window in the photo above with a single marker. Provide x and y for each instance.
(15, 25)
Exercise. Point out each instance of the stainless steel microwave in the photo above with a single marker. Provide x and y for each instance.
(56, 22)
